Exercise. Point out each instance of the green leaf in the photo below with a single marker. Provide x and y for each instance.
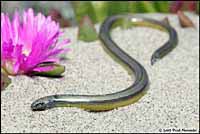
(5, 80)
(162, 6)
(141, 6)
(100, 9)
(116, 7)
(132, 6)
(55, 72)
(82, 8)
(145, 6)
(87, 30)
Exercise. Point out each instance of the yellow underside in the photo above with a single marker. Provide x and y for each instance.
(113, 105)
(106, 107)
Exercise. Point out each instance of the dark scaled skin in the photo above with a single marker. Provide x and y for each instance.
(126, 96)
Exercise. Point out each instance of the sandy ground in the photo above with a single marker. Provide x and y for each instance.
(170, 105)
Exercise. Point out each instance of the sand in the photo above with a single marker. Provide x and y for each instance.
(171, 104)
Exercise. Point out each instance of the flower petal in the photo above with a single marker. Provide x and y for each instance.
(27, 43)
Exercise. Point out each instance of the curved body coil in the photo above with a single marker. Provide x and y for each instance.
(123, 97)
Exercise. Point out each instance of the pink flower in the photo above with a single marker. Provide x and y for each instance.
(28, 42)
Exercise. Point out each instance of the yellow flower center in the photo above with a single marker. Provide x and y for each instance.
(26, 52)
